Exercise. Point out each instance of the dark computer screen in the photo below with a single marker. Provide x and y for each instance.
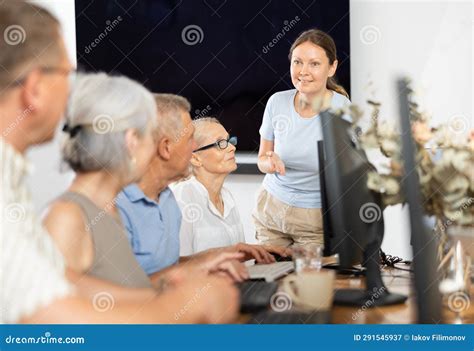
(352, 213)
(226, 57)
(425, 262)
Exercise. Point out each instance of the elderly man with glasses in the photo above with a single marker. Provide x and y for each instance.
(149, 209)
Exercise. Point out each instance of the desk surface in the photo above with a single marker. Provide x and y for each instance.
(397, 281)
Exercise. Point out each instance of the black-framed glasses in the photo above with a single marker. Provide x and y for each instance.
(58, 70)
(221, 144)
(48, 70)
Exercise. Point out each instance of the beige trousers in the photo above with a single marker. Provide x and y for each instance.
(277, 223)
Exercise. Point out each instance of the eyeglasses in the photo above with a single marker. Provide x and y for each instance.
(58, 70)
(221, 144)
(49, 70)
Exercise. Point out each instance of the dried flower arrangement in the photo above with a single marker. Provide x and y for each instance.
(445, 165)
(445, 160)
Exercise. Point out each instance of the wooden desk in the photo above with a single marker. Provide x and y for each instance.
(397, 281)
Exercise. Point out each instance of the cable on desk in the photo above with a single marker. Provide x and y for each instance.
(391, 261)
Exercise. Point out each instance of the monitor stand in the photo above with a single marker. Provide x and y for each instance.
(376, 293)
(355, 271)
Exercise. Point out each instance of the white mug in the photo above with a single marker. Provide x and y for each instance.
(311, 289)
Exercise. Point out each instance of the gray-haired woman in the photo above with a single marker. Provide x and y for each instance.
(109, 143)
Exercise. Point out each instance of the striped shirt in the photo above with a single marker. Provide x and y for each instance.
(32, 271)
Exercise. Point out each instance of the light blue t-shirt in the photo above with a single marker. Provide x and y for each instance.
(152, 227)
(295, 141)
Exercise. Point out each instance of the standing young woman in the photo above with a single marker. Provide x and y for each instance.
(289, 203)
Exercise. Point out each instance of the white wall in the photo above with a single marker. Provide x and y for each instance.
(432, 42)
(47, 182)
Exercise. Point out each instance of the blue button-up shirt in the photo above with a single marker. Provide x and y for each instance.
(152, 226)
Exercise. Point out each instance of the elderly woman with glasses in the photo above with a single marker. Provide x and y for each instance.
(210, 215)
(110, 140)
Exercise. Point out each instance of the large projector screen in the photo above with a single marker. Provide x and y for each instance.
(226, 57)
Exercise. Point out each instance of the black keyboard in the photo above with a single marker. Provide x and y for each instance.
(289, 317)
(256, 295)
(279, 258)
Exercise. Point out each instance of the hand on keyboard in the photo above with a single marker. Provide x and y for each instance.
(262, 253)
(257, 252)
(270, 272)
(279, 258)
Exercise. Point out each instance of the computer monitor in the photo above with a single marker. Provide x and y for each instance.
(352, 214)
(423, 241)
